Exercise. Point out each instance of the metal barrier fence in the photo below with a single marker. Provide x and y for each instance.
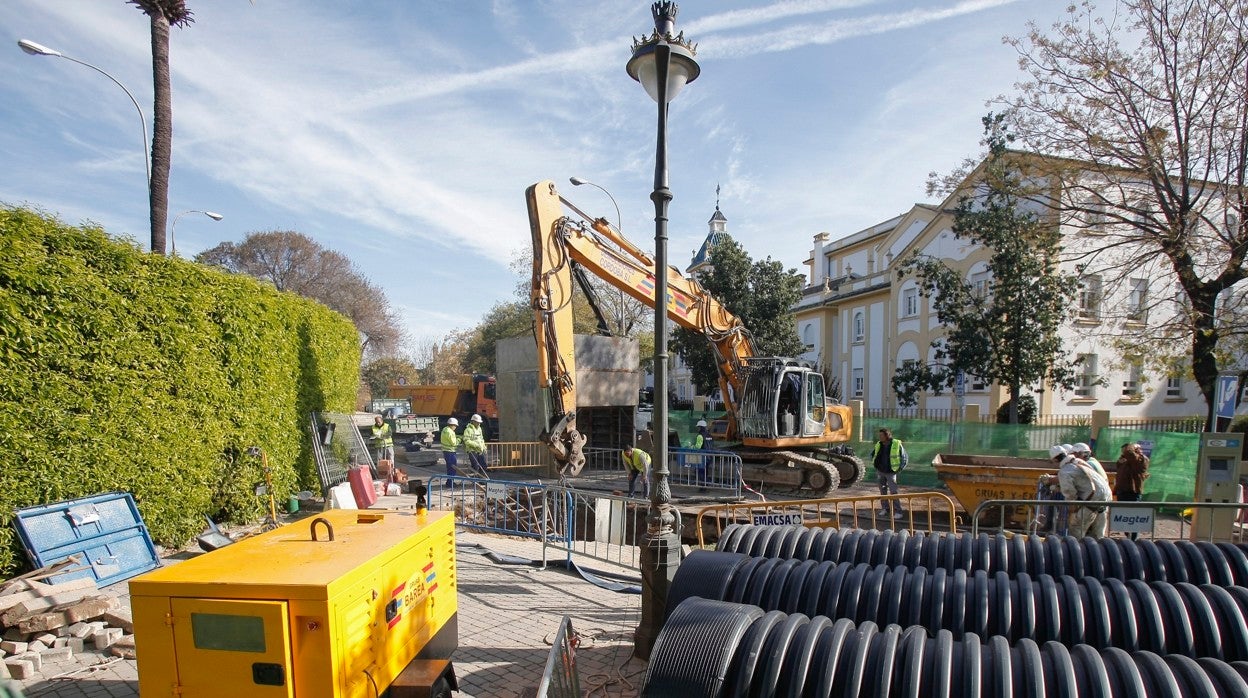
(560, 679)
(930, 511)
(524, 457)
(572, 522)
(706, 470)
(603, 527)
(513, 508)
(337, 446)
(1126, 517)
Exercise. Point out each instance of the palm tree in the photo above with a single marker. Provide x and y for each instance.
(163, 13)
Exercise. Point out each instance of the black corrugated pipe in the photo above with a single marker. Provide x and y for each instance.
(1200, 562)
(713, 648)
(1206, 620)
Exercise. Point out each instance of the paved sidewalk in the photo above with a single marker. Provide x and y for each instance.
(508, 615)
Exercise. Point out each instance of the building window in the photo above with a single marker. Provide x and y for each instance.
(1085, 386)
(1131, 387)
(1090, 298)
(909, 302)
(860, 326)
(1174, 387)
(981, 284)
(977, 384)
(857, 380)
(1094, 216)
(808, 336)
(1137, 300)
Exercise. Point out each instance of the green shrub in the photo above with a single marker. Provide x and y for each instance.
(126, 371)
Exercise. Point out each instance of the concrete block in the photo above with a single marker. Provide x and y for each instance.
(120, 618)
(61, 642)
(45, 638)
(88, 608)
(106, 637)
(76, 644)
(12, 647)
(33, 658)
(36, 647)
(123, 647)
(20, 669)
(40, 622)
(62, 631)
(60, 655)
(81, 630)
(98, 625)
(4, 670)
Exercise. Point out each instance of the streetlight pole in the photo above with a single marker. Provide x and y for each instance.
(173, 245)
(35, 49)
(619, 225)
(662, 62)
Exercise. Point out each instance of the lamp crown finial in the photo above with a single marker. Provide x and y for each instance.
(664, 17)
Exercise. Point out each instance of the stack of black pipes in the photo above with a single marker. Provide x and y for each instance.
(790, 611)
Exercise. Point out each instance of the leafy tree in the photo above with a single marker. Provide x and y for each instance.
(760, 293)
(379, 373)
(503, 321)
(294, 262)
(163, 14)
(1005, 333)
(1158, 153)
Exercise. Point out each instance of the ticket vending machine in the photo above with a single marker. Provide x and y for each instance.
(1217, 480)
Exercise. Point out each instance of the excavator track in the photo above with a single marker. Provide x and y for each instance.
(804, 474)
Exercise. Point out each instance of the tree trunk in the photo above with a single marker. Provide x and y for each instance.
(1204, 362)
(162, 131)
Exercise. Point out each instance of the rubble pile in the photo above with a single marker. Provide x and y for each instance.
(47, 624)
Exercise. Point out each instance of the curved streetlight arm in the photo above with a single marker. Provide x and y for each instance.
(173, 245)
(619, 220)
(35, 49)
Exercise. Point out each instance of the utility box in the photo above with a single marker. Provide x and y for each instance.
(335, 608)
(1217, 480)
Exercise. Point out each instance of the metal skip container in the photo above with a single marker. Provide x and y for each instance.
(338, 607)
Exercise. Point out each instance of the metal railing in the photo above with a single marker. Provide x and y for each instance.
(573, 523)
(521, 457)
(930, 511)
(512, 508)
(560, 679)
(1126, 514)
(337, 446)
(603, 527)
(706, 470)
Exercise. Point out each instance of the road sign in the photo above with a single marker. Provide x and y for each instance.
(1228, 390)
(959, 384)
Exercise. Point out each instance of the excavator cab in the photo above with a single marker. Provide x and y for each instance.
(782, 399)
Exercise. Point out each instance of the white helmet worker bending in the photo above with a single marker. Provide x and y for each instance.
(475, 418)
(1056, 452)
(453, 422)
(1080, 448)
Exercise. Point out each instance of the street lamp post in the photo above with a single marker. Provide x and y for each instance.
(662, 62)
(35, 49)
(173, 245)
(619, 225)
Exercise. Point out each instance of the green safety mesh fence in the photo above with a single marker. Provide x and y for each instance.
(1173, 455)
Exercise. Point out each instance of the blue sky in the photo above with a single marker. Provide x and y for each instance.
(404, 134)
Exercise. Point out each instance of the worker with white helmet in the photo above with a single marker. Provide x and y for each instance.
(1084, 451)
(450, 444)
(474, 445)
(1086, 489)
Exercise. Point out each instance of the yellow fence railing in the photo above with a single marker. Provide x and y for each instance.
(927, 511)
(518, 455)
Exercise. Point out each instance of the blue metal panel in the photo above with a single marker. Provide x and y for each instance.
(104, 531)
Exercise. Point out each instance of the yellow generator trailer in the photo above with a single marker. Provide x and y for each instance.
(347, 605)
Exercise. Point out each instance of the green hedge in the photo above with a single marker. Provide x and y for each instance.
(126, 371)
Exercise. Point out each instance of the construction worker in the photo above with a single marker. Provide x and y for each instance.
(1086, 490)
(637, 463)
(702, 442)
(450, 444)
(383, 441)
(474, 445)
(889, 458)
(1084, 451)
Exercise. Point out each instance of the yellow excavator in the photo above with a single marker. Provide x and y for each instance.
(788, 431)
